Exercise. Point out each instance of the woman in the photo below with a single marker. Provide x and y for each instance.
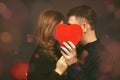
(46, 62)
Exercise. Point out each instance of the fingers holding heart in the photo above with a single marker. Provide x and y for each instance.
(69, 48)
(69, 52)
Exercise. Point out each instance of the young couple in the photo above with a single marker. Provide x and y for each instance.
(87, 61)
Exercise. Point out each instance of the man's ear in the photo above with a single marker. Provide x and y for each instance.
(85, 27)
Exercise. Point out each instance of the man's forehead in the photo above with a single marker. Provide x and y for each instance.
(76, 20)
(72, 20)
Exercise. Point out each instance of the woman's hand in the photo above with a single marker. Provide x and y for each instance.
(69, 52)
(61, 66)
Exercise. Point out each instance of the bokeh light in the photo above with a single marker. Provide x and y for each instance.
(29, 38)
(113, 46)
(18, 71)
(7, 14)
(37, 56)
(6, 37)
(106, 36)
(111, 7)
(3, 7)
(117, 13)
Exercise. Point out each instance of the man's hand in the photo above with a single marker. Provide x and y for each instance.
(69, 52)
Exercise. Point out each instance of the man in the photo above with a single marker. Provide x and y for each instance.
(92, 62)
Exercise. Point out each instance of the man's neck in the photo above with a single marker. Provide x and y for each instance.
(88, 38)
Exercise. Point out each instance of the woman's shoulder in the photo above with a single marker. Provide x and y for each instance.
(41, 61)
(40, 54)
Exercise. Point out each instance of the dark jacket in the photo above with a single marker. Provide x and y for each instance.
(98, 64)
(42, 66)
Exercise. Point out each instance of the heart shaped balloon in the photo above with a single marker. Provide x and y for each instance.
(65, 33)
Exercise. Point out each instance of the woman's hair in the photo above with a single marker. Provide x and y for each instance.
(45, 26)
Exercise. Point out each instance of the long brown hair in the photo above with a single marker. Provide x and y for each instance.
(45, 26)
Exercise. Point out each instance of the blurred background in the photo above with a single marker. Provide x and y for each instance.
(17, 22)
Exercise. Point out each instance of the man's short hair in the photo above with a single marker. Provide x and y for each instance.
(85, 12)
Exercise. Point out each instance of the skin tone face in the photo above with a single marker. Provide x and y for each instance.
(88, 33)
(61, 22)
(72, 20)
(82, 22)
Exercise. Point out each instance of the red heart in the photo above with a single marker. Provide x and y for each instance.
(65, 33)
